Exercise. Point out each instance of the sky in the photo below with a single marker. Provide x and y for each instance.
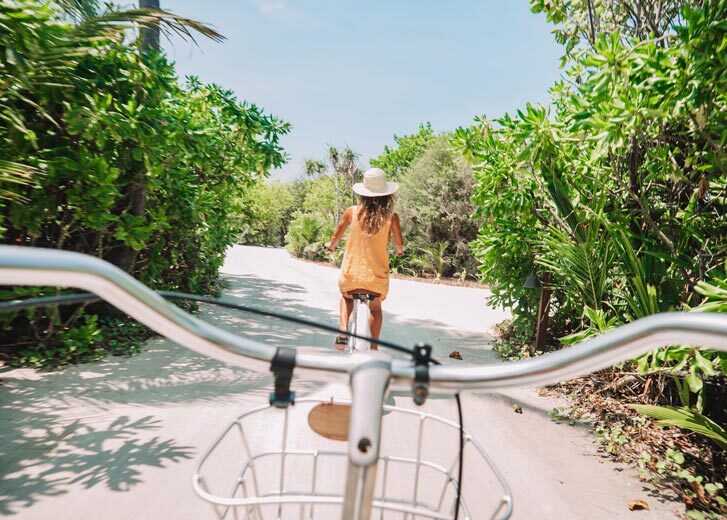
(356, 72)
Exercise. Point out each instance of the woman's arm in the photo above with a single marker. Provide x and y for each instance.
(340, 229)
(396, 232)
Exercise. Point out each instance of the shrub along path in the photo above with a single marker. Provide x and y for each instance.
(119, 439)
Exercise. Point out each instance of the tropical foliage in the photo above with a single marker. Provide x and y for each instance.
(307, 236)
(395, 160)
(618, 190)
(433, 204)
(104, 152)
(435, 209)
(268, 210)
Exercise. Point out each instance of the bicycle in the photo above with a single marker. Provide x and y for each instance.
(370, 375)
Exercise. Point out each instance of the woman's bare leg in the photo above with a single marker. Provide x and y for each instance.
(346, 307)
(376, 319)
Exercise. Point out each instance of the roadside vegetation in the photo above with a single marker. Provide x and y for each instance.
(434, 204)
(105, 151)
(617, 192)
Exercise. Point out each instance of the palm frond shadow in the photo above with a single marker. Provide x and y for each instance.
(41, 457)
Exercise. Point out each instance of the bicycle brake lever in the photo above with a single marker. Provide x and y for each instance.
(282, 367)
(420, 383)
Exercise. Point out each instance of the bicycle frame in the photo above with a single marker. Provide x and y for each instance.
(369, 374)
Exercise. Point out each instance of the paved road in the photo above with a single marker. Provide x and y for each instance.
(119, 439)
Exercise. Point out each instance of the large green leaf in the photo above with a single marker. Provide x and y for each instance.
(686, 419)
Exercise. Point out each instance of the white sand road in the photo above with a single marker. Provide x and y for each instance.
(120, 439)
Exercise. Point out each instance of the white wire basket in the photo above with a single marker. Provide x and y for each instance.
(269, 464)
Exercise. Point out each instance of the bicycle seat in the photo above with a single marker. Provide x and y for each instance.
(363, 294)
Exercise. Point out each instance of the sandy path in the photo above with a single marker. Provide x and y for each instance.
(119, 439)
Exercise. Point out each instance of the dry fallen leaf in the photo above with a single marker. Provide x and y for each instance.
(517, 408)
(699, 490)
(455, 354)
(638, 504)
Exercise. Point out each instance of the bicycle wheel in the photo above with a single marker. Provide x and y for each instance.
(362, 326)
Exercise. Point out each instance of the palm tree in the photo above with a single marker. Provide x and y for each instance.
(345, 164)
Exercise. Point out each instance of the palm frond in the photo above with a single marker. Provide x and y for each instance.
(111, 23)
(432, 258)
(15, 174)
(49, 57)
(79, 10)
(584, 263)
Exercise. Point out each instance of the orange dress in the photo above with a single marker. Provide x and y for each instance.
(366, 260)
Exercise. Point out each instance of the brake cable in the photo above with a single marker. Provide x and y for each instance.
(421, 354)
(69, 299)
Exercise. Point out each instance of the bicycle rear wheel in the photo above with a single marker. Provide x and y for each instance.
(359, 324)
(352, 329)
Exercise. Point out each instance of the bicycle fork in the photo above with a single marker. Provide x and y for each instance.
(369, 381)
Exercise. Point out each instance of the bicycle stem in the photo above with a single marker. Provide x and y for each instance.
(369, 381)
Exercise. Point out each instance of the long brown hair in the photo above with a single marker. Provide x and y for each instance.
(374, 213)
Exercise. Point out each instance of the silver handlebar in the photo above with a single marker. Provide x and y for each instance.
(47, 267)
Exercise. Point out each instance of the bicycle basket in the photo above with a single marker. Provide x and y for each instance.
(268, 464)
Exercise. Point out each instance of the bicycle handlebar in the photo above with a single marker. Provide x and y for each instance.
(47, 267)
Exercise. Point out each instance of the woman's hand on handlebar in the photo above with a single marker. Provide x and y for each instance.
(331, 246)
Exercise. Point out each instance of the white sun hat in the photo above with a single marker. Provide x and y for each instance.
(374, 184)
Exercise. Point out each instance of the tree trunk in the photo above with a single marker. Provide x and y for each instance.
(541, 329)
(149, 35)
(336, 188)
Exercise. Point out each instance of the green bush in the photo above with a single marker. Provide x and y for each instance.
(307, 236)
(270, 207)
(435, 210)
(131, 166)
(618, 193)
(87, 338)
(504, 199)
(395, 161)
(316, 201)
(320, 197)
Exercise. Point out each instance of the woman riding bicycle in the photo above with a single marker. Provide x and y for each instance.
(365, 266)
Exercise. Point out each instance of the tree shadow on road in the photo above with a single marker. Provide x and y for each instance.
(41, 457)
(62, 429)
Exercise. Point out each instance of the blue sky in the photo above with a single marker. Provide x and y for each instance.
(357, 72)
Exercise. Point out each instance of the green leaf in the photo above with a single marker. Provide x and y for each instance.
(703, 364)
(686, 419)
(693, 380)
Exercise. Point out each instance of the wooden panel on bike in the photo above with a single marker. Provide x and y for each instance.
(330, 420)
